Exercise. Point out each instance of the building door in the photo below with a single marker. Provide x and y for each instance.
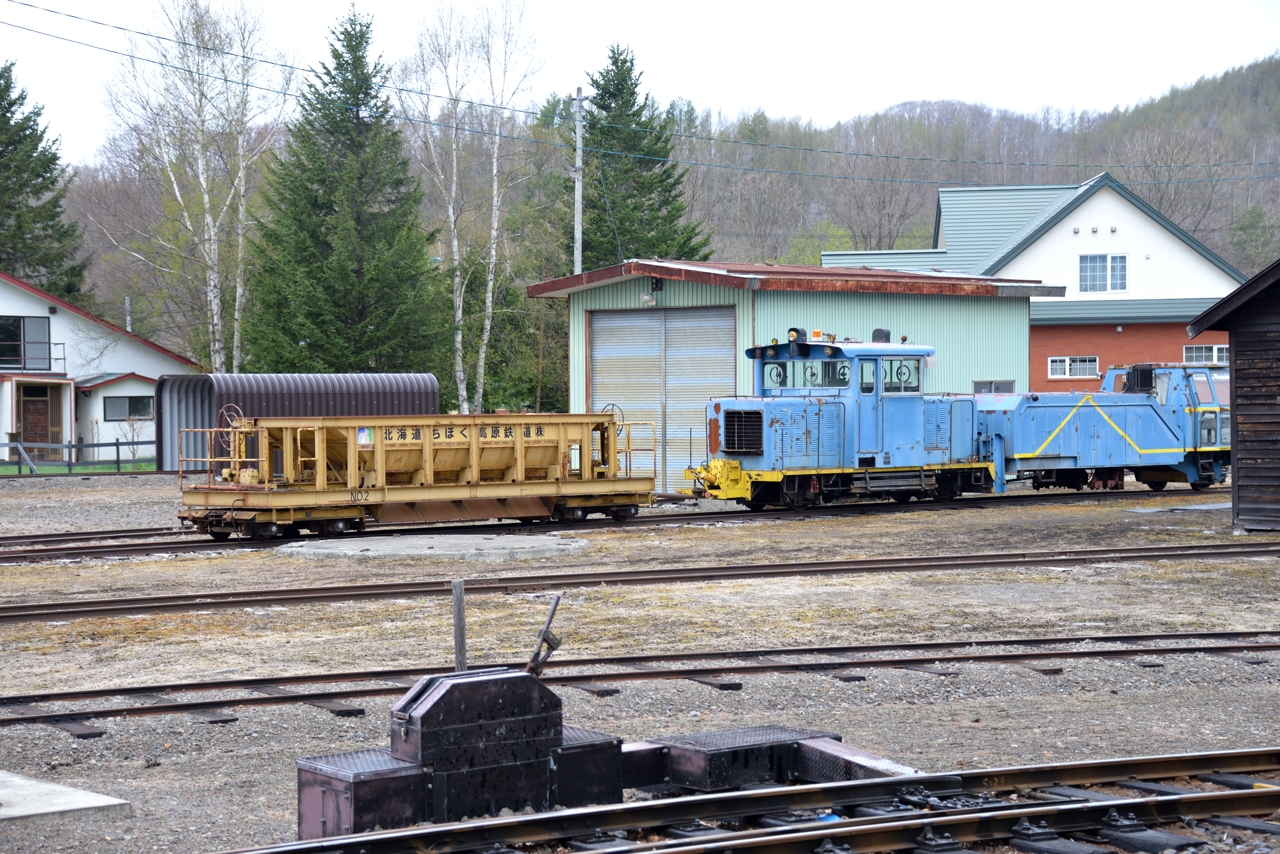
(35, 419)
(662, 366)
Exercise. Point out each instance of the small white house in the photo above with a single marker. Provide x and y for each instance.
(69, 376)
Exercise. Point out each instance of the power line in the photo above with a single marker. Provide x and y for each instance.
(603, 151)
(695, 137)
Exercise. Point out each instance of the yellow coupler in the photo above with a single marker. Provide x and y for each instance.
(430, 468)
(725, 479)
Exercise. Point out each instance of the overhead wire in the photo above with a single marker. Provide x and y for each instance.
(564, 145)
(675, 134)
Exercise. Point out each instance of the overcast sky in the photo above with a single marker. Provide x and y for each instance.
(822, 61)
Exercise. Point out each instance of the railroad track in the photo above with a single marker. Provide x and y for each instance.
(16, 549)
(121, 606)
(967, 806)
(709, 667)
(23, 540)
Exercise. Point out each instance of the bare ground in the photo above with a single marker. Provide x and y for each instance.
(986, 715)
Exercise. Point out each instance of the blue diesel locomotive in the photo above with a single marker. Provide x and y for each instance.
(834, 421)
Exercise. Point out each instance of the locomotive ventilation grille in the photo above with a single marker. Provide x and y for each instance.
(743, 432)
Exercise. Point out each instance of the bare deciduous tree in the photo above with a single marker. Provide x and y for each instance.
(193, 124)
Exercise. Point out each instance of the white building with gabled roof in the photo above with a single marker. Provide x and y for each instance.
(1133, 278)
(67, 375)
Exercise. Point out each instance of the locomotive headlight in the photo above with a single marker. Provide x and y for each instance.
(830, 351)
(771, 352)
(774, 342)
(791, 335)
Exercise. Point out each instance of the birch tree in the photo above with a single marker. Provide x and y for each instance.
(506, 56)
(195, 121)
(486, 56)
(444, 60)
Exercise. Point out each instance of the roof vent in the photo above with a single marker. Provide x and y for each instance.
(1075, 230)
(1113, 229)
(1095, 229)
(880, 336)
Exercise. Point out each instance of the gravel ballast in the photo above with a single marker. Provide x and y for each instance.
(200, 787)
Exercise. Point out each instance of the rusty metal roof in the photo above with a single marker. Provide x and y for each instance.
(780, 277)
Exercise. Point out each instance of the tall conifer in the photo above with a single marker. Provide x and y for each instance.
(340, 278)
(632, 194)
(36, 243)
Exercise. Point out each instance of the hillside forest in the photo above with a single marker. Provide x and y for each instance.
(170, 209)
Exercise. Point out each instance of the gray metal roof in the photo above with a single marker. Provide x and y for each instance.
(1081, 312)
(984, 228)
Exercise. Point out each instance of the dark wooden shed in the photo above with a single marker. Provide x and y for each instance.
(1251, 317)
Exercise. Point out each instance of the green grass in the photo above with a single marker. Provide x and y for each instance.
(54, 467)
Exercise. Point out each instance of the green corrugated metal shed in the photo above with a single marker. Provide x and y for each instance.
(979, 230)
(978, 325)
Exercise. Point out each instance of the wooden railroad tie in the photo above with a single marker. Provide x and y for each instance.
(717, 682)
(342, 710)
(74, 728)
(208, 716)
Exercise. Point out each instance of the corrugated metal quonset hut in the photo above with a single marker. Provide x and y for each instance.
(657, 339)
(1251, 318)
(185, 402)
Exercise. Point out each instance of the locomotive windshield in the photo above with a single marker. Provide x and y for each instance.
(815, 373)
(901, 376)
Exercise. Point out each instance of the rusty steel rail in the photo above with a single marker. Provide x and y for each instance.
(23, 540)
(71, 609)
(861, 834)
(842, 660)
(186, 545)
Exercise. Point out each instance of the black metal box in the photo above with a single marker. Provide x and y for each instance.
(727, 759)
(488, 791)
(587, 769)
(462, 721)
(644, 763)
(354, 792)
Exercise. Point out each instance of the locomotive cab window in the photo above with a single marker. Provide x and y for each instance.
(867, 376)
(808, 373)
(901, 376)
(835, 374)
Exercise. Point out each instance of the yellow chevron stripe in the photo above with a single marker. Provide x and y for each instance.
(1088, 398)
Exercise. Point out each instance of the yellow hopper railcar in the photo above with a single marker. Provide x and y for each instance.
(270, 477)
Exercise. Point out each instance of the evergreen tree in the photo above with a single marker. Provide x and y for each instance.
(632, 194)
(340, 280)
(36, 244)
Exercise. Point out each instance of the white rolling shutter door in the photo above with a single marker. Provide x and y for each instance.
(662, 365)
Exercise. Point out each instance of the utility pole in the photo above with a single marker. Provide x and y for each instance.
(577, 186)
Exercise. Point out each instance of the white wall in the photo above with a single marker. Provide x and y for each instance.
(1160, 266)
(91, 419)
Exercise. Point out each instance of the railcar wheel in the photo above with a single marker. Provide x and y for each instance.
(576, 514)
(264, 531)
(1157, 485)
(755, 506)
(1201, 485)
(902, 497)
(334, 527)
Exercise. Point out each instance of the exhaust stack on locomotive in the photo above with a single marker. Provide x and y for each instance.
(834, 421)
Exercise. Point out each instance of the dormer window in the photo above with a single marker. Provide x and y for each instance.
(1101, 273)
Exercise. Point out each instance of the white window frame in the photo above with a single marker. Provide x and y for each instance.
(1220, 354)
(1110, 281)
(1073, 367)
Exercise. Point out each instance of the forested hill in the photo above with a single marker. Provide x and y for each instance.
(1243, 100)
(1207, 156)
